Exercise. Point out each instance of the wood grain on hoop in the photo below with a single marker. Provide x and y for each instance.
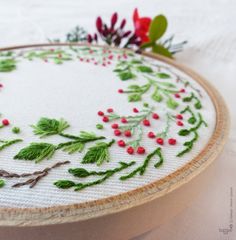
(141, 195)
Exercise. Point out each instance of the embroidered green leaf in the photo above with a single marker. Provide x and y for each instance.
(172, 103)
(126, 75)
(2, 183)
(99, 126)
(144, 69)
(141, 169)
(135, 61)
(163, 75)
(65, 184)
(8, 143)
(134, 97)
(36, 151)
(98, 153)
(7, 65)
(15, 130)
(197, 104)
(156, 96)
(184, 132)
(46, 127)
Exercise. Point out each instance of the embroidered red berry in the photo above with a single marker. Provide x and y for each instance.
(141, 150)
(172, 141)
(123, 120)
(5, 122)
(120, 90)
(110, 110)
(121, 143)
(177, 95)
(100, 113)
(179, 116)
(179, 123)
(105, 119)
(117, 132)
(182, 90)
(146, 122)
(1, 85)
(151, 135)
(130, 150)
(155, 116)
(135, 110)
(115, 126)
(127, 133)
(160, 141)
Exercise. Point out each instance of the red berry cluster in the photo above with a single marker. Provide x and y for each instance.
(5, 122)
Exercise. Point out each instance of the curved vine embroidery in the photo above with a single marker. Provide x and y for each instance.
(158, 87)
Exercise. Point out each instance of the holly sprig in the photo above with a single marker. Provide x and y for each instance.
(142, 168)
(82, 173)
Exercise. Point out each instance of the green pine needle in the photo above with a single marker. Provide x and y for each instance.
(46, 127)
(36, 152)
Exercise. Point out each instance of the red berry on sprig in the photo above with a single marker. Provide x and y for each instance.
(155, 116)
(179, 123)
(160, 141)
(177, 95)
(1, 85)
(121, 143)
(179, 116)
(172, 141)
(120, 90)
(141, 150)
(135, 110)
(127, 133)
(182, 90)
(123, 120)
(117, 132)
(130, 150)
(109, 110)
(114, 126)
(100, 113)
(105, 119)
(151, 135)
(146, 123)
(5, 122)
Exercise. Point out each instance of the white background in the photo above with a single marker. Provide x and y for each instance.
(209, 26)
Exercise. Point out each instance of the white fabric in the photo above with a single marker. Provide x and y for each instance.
(208, 26)
(71, 91)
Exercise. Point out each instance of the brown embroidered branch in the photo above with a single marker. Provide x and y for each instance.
(36, 176)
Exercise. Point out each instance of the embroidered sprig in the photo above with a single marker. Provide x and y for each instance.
(141, 169)
(6, 143)
(197, 103)
(164, 133)
(80, 172)
(35, 176)
(185, 132)
(98, 153)
(193, 118)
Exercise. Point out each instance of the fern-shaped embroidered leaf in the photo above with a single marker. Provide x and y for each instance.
(98, 153)
(46, 127)
(36, 152)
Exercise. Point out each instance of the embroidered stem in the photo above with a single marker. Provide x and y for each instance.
(65, 184)
(36, 176)
(193, 118)
(8, 143)
(164, 133)
(197, 103)
(141, 169)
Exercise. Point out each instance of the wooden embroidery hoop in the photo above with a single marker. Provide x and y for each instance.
(147, 193)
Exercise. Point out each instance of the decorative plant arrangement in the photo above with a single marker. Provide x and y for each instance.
(147, 34)
(160, 87)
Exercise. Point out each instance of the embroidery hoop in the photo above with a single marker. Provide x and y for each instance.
(138, 196)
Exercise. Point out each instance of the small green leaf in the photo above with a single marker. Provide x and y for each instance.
(99, 126)
(134, 97)
(156, 96)
(79, 172)
(172, 103)
(184, 132)
(198, 105)
(2, 183)
(163, 75)
(126, 76)
(157, 28)
(192, 120)
(15, 130)
(7, 65)
(144, 69)
(64, 184)
(134, 61)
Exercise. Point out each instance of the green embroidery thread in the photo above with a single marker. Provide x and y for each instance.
(8, 143)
